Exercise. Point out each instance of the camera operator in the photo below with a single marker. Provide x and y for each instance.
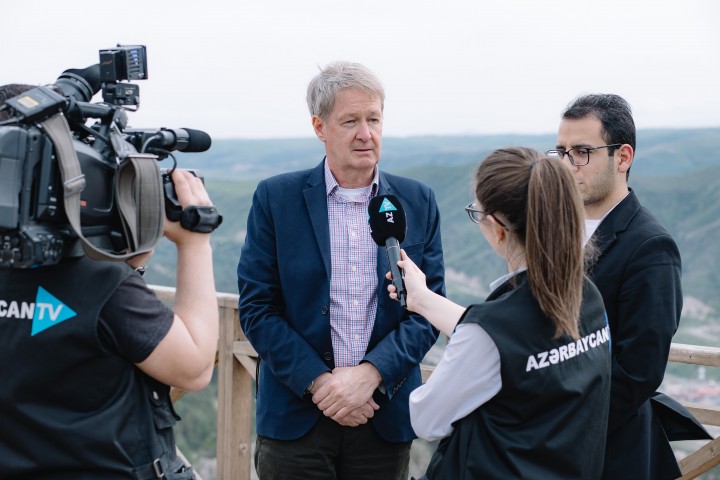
(88, 352)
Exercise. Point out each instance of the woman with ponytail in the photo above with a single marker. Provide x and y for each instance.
(523, 387)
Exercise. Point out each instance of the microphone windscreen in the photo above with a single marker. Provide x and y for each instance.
(198, 141)
(387, 219)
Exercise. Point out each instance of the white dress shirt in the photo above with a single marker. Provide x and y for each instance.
(467, 376)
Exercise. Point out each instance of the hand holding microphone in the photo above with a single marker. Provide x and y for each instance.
(387, 227)
(416, 290)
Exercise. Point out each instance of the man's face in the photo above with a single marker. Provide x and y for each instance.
(352, 134)
(598, 180)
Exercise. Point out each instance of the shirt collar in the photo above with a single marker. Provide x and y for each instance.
(494, 285)
(331, 184)
(592, 225)
(613, 207)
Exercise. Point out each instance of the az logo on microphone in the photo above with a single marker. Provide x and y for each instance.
(387, 206)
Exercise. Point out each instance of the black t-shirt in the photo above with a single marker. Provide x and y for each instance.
(134, 321)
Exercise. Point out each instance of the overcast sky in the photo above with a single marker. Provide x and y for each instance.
(239, 68)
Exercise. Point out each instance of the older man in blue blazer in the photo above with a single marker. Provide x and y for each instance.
(338, 358)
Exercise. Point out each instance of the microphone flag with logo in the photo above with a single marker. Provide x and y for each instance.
(387, 227)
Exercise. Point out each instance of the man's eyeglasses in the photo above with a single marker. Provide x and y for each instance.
(478, 216)
(579, 156)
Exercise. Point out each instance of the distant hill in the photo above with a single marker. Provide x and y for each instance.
(659, 152)
(676, 174)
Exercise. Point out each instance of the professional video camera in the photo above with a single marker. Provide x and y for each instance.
(66, 185)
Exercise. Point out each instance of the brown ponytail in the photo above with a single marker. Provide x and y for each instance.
(540, 201)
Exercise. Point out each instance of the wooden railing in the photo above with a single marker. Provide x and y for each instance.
(708, 456)
(236, 376)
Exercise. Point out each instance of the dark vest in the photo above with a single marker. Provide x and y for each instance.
(549, 419)
(69, 409)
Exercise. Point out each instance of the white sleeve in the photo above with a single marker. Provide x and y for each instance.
(467, 376)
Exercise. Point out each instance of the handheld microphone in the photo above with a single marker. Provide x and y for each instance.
(183, 139)
(387, 227)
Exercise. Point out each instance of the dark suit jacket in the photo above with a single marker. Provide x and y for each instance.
(284, 285)
(638, 273)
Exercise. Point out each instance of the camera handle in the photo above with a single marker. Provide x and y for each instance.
(196, 218)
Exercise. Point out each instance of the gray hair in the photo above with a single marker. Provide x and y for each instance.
(337, 76)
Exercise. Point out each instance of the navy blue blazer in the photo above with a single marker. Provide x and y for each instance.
(284, 286)
(638, 272)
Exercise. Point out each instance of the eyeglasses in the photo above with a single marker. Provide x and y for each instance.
(477, 216)
(579, 156)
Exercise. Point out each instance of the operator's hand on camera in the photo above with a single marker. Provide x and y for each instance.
(185, 358)
(190, 191)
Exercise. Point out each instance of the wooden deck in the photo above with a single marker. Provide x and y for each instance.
(236, 376)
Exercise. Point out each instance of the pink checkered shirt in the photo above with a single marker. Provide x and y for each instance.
(354, 281)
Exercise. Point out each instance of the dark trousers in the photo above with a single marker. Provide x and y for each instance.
(330, 451)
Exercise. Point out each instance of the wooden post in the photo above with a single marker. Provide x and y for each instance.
(235, 399)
